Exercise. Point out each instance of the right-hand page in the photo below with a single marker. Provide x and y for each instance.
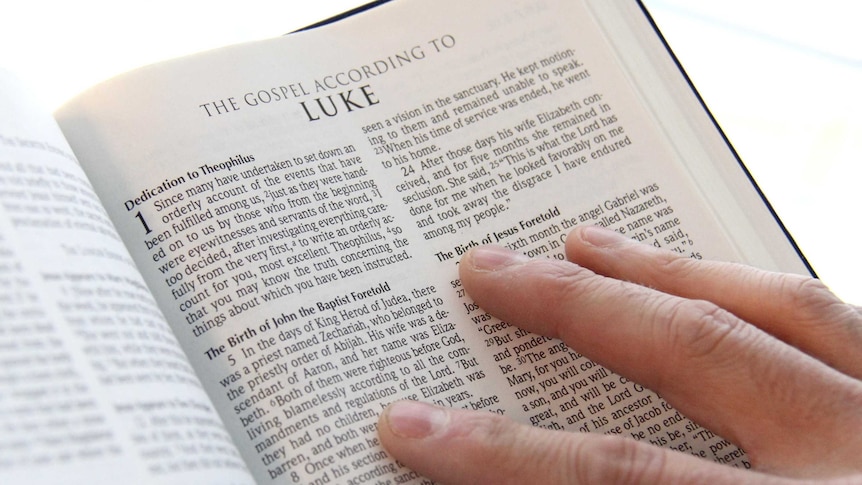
(298, 207)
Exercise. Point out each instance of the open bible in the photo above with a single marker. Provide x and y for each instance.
(221, 268)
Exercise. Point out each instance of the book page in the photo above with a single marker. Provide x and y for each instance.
(94, 385)
(298, 207)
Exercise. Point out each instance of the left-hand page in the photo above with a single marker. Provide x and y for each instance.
(93, 384)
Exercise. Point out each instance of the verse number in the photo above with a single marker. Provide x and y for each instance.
(141, 218)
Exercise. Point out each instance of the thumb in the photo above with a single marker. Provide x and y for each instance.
(455, 446)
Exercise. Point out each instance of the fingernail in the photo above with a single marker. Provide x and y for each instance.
(491, 258)
(415, 420)
(599, 236)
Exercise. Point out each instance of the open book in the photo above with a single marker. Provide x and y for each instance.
(225, 266)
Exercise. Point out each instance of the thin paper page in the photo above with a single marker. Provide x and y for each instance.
(94, 385)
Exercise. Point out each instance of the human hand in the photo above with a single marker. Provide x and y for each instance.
(771, 362)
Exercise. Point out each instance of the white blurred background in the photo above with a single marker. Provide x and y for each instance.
(782, 79)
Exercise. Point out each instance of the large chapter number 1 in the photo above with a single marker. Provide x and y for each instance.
(141, 218)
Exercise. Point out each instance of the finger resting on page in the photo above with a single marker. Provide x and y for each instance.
(715, 368)
(796, 309)
(454, 446)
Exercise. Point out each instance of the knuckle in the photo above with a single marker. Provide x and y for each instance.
(675, 266)
(607, 459)
(593, 289)
(501, 434)
(562, 281)
(488, 428)
(701, 331)
(519, 451)
(575, 282)
(812, 300)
